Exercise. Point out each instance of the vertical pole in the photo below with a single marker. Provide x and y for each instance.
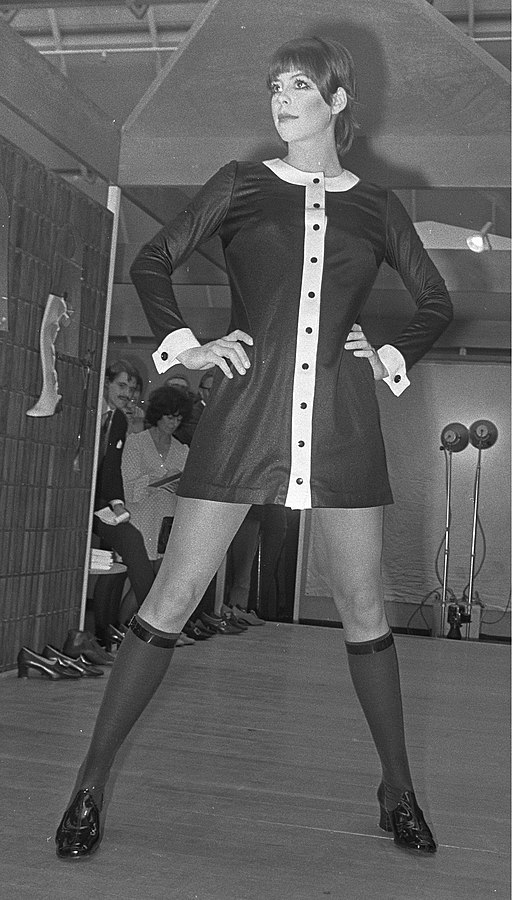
(300, 571)
(473, 539)
(114, 205)
(471, 18)
(220, 586)
(446, 546)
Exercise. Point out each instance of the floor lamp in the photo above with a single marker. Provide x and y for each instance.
(454, 439)
(482, 435)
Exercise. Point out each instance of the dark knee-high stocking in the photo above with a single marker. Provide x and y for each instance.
(374, 669)
(141, 663)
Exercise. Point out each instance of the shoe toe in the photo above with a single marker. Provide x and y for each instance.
(79, 834)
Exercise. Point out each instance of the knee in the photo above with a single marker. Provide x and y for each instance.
(362, 608)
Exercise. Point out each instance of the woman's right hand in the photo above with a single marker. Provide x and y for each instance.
(219, 353)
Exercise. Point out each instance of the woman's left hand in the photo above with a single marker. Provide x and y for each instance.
(358, 344)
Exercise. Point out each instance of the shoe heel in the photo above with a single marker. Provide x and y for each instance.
(385, 821)
(22, 667)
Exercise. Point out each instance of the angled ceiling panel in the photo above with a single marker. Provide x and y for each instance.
(434, 107)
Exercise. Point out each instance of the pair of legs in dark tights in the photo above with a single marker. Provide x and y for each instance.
(350, 541)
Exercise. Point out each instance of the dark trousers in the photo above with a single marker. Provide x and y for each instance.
(126, 540)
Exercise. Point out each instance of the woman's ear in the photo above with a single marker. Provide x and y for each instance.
(339, 100)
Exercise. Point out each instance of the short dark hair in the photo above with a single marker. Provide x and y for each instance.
(118, 366)
(167, 401)
(330, 65)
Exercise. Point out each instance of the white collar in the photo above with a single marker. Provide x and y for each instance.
(286, 172)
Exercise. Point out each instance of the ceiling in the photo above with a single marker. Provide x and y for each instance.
(182, 80)
(94, 43)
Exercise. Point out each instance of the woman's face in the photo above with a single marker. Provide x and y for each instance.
(298, 109)
(168, 424)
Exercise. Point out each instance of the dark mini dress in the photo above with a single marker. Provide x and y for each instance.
(301, 428)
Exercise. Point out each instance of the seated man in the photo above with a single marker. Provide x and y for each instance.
(124, 538)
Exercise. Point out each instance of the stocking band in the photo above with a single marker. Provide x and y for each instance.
(374, 646)
(146, 633)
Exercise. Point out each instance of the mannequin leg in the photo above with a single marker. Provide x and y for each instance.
(201, 534)
(351, 541)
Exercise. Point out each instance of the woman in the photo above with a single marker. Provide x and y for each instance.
(292, 417)
(148, 457)
(152, 456)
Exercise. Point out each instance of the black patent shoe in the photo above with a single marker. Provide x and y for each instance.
(220, 624)
(81, 664)
(50, 668)
(80, 831)
(407, 823)
(193, 632)
(83, 643)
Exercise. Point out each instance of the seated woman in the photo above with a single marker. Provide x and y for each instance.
(153, 456)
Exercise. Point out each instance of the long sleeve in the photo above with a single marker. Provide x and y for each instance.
(406, 254)
(136, 476)
(152, 268)
(110, 481)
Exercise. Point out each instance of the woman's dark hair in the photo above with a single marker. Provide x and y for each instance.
(167, 401)
(330, 65)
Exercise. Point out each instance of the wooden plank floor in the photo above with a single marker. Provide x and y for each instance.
(252, 777)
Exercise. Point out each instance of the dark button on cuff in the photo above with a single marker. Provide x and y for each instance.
(316, 227)
(300, 481)
(311, 294)
(164, 356)
(303, 406)
(316, 205)
(314, 259)
(301, 443)
(305, 365)
(309, 331)
(397, 378)
(316, 181)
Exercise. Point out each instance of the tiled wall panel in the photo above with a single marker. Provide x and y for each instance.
(44, 501)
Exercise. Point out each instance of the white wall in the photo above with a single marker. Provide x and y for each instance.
(440, 393)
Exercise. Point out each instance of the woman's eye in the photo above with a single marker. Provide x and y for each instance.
(301, 84)
(275, 88)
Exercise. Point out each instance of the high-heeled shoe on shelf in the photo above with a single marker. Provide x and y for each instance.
(82, 665)
(53, 669)
(407, 823)
(80, 831)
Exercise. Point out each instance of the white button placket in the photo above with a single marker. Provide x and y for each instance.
(299, 486)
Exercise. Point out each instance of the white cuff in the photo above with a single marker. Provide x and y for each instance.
(395, 364)
(171, 347)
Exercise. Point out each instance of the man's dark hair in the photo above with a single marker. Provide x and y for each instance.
(122, 365)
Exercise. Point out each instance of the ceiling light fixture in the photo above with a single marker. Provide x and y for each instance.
(480, 241)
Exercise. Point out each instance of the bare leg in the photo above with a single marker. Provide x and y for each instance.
(199, 539)
(351, 544)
